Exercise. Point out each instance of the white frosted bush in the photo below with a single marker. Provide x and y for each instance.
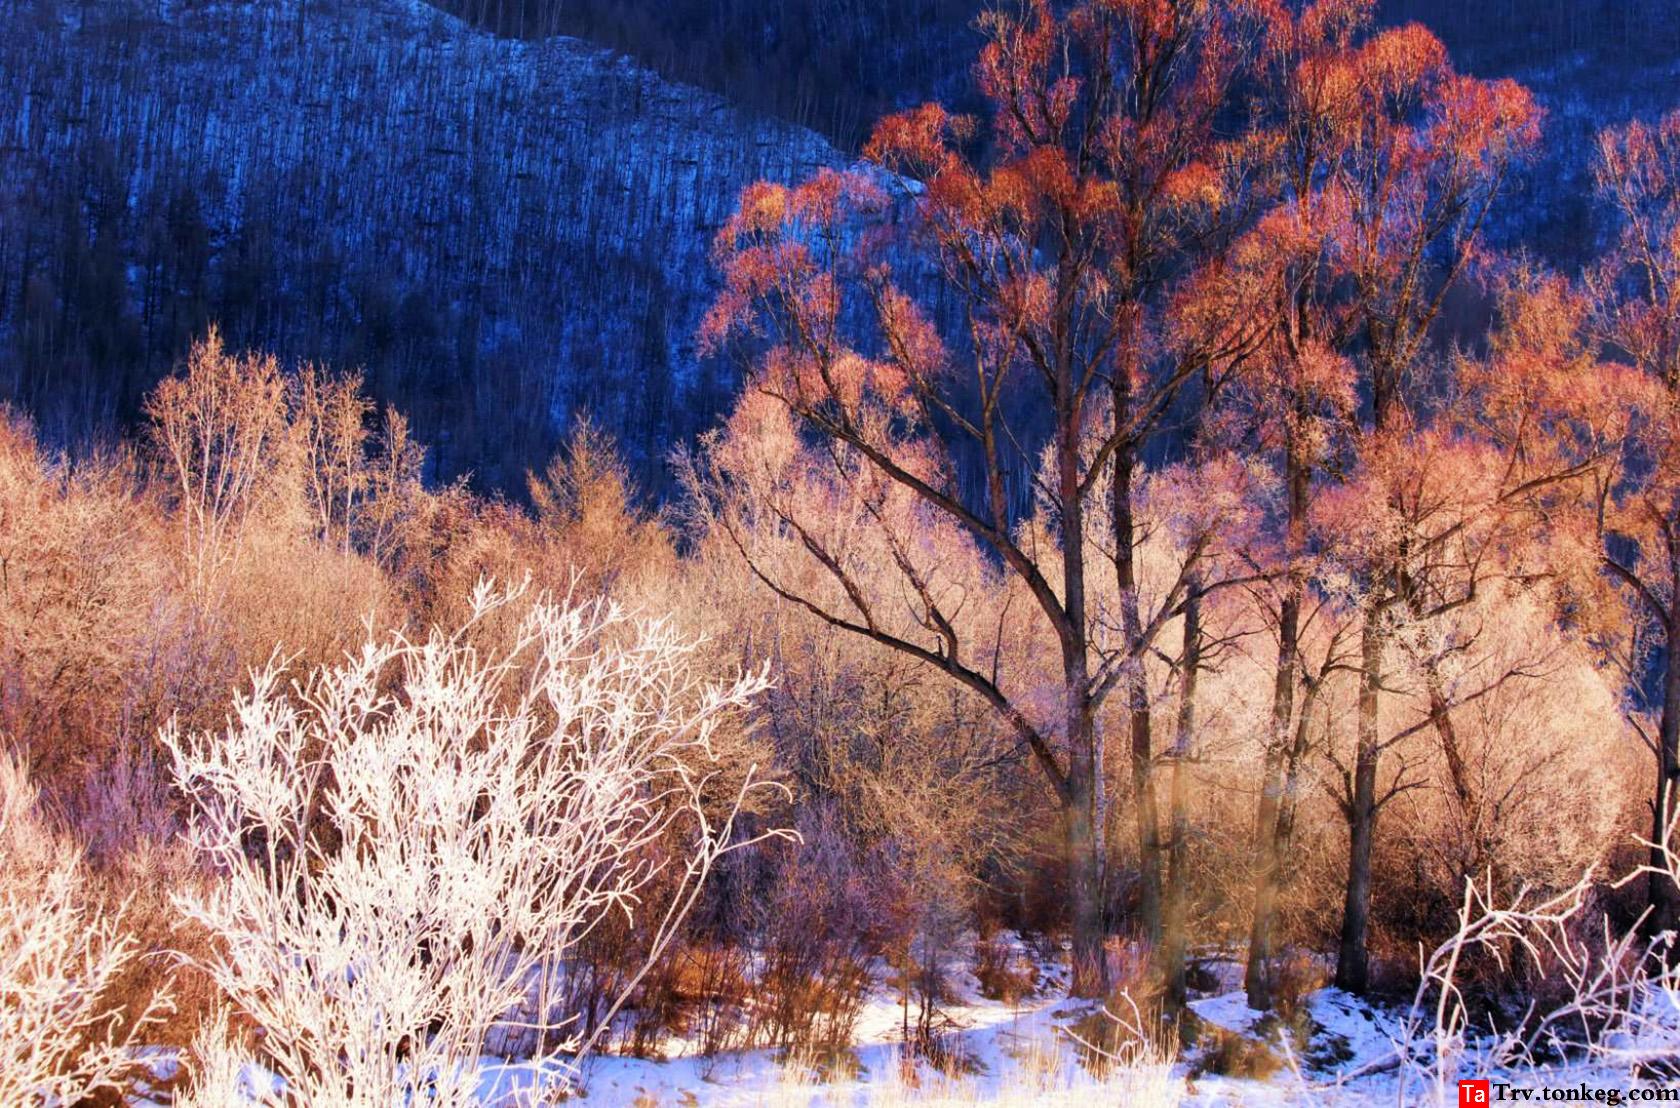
(63, 1036)
(225, 1075)
(412, 839)
(1617, 994)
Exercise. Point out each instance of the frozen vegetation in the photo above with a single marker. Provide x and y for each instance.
(1173, 613)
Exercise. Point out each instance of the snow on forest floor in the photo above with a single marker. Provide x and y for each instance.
(1341, 1053)
(1022, 1053)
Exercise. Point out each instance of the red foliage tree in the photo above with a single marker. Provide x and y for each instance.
(1635, 294)
(1069, 253)
(1116, 261)
(1377, 165)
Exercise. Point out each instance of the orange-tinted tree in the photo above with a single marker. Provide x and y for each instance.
(1381, 164)
(1635, 289)
(1063, 254)
(1432, 151)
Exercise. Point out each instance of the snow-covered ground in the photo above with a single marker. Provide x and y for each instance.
(1027, 1053)
(1343, 1053)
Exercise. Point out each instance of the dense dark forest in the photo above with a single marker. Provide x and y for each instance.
(832, 65)
(501, 234)
(544, 253)
(821, 63)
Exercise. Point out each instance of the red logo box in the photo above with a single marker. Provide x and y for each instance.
(1474, 1094)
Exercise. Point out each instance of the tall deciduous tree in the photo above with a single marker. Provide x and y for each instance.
(1384, 164)
(1105, 188)
(1635, 290)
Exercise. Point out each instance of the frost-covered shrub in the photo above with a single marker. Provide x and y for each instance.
(413, 839)
(62, 1034)
(224, 1072)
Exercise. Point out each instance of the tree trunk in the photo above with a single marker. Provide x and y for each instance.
(1137, 704)
(1478, 854)
(1268, 826)
(1085, 862)
(1352, 957)
(1262, 934)
(1290, 802)
(1090, 961)
(1147, 813)
(1664, 894)
(1268, 858)
(1175, 940)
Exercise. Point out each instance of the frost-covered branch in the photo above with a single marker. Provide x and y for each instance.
(63, 1037)
(413, 839)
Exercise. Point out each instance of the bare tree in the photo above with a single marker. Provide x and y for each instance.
(220, 429)
(1107, 185)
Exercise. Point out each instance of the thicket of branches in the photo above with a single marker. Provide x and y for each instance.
(1196, 594)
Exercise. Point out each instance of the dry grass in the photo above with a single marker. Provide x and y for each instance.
(1039, 1072)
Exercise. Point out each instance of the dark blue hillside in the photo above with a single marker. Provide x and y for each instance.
(501, 233)
(504, 227)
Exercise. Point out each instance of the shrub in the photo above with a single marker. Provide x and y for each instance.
(64, 1037)
(1004, 969)
(820, 928)
(413, 839)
